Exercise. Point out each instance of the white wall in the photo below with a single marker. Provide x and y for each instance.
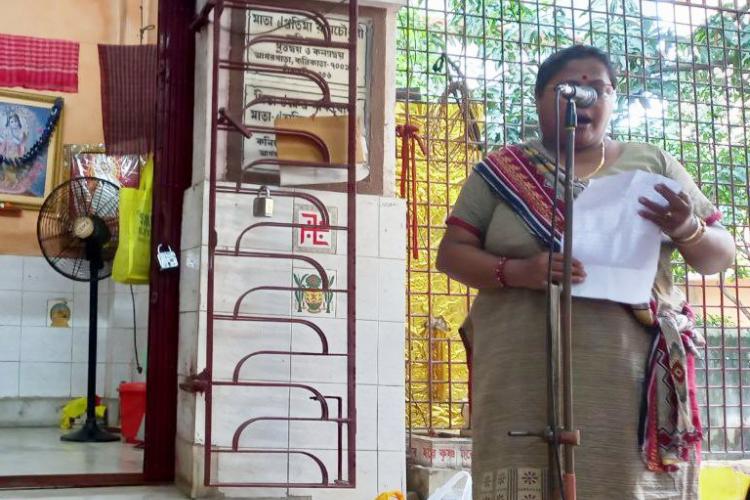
(37, 361)
(379, 354)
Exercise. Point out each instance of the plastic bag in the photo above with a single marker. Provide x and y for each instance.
(77, 408)
(132, 262)
(452, 490)
(723, 483)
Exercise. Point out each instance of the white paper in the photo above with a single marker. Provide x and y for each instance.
(619, 249)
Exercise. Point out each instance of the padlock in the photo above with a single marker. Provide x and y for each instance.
(263, 203)
(167, 258)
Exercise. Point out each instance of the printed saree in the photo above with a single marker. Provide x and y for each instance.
(669, 427)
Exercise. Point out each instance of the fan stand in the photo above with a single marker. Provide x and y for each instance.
(91, 432)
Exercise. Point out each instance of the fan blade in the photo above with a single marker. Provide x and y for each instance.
(61, 252)
(54, 237)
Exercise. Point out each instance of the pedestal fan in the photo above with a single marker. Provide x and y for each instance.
(78, 233)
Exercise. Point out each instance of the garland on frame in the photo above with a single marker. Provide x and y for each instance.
(41, 144)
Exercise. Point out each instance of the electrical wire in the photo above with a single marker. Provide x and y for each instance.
(135, 339)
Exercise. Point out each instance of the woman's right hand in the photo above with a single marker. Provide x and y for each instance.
(532, 271)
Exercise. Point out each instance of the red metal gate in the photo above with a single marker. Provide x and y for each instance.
(224, 121)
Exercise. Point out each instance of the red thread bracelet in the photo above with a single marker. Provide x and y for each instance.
(500, 271)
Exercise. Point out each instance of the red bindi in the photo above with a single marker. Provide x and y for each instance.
(585, 77)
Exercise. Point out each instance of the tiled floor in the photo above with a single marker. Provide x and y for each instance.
(36, 450)
(121, 493)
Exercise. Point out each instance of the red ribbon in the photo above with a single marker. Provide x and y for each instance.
(410, 137)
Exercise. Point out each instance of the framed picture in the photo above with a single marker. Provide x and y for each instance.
(23, 120)
(90, 160)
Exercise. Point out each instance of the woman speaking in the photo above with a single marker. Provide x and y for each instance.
(635, 400)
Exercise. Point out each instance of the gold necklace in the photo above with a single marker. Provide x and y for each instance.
(598, 167)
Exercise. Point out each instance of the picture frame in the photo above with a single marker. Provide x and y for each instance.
(23, 117)
(91, 160)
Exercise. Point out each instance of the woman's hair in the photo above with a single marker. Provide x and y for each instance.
(557, 61)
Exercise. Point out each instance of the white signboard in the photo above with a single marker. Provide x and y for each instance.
(331, 64)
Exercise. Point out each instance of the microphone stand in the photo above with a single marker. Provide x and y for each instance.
(560, 345)
(570, 437)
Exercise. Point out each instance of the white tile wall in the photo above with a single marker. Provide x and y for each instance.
(38, 276)
(392, 228)
(235, 340)
(81, 300)
(234, 276)
(328, 369)
(114, 375)
(10, 343)
(315, 435)
(46, 344)
(185, 414)
(367, 417)
(237, 214)
(367, 352)
(45, 379)
(37, 361)
(119, 342)
(81, 345)
(35, 307)
(368, 283)
(235, 468)
(11, 312)
(392, 290)
(391, 414)
(192, 220)
(391, 471)
(380, 350)
(367, 467)
(368, 216)
(188, 345)
(12, 267)
(236, 405)
(191, 262)
(391, 353)
(79, 379)
(9, 379)
(121, 308)
(381, 235)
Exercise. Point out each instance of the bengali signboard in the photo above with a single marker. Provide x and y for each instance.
(331, 64)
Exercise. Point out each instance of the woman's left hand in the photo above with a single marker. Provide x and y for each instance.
(676, 218)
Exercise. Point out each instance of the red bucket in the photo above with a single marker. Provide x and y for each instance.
(132, 408)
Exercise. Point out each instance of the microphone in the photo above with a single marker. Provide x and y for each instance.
(583, 95)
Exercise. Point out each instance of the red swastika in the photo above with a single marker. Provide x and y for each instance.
(316, 237)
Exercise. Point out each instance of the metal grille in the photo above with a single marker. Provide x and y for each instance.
(684, 85)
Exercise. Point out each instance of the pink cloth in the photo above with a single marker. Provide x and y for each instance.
(38, 63)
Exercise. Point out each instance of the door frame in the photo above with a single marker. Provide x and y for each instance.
(173, 159)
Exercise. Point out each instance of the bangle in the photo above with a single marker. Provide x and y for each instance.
(692, 234)
(500, 272)
(695, 237)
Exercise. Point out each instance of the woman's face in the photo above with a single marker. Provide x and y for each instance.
(592, 121)
(15, 121)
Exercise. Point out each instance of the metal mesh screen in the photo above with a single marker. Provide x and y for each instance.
(466, 69)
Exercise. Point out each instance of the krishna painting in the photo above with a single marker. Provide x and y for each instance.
(30, 147)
